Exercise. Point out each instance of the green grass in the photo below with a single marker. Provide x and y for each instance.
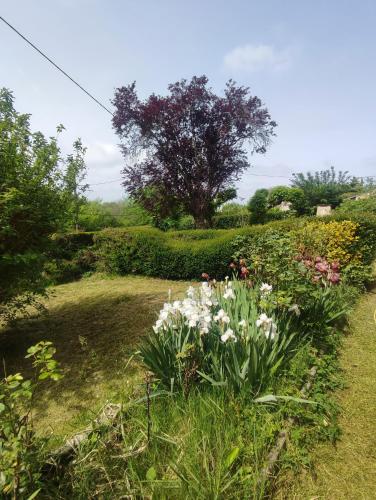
(95, 324)
(210, 445)
(347, 470)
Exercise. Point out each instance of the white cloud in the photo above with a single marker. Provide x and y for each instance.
(103, 155)
(258, 58)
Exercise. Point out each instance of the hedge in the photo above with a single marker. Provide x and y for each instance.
(175, 254)
(183, 254)
(187, 254)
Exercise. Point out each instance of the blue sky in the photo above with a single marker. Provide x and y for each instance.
(313, 63)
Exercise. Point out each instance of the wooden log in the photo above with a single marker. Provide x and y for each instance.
(65, 453)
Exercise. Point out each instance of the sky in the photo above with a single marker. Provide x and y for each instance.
(312, 63)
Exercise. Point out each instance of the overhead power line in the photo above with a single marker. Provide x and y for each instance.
(56, 66)
(105, 182)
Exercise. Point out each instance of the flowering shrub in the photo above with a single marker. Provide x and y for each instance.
(222, 334)
(335, 240)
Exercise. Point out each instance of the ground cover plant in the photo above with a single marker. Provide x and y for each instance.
(153, 450)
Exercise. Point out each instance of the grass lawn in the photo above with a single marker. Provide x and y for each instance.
(94, 323)
(347, 471)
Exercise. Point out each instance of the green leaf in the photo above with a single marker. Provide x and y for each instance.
(271, 398)
(151, 474)
(231, 457)
(33, 495)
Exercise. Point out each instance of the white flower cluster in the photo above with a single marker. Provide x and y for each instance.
(197, 310)
(265, 289)
(194, 310)
(228, 291)
(267, 325)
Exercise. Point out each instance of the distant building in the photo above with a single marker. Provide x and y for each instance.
(323, 210)
(285, 206)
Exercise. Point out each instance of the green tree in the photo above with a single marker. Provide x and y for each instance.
(294, 195)
(74, 188)
(31, 205)
(95, 215)
(325, 186)
(258, 206)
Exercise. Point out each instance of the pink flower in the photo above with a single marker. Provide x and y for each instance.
(318, 259)
(308, 263)
(323, 267)
(334, 278)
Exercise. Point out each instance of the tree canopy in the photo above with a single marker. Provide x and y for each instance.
(183, 151)
(324, 186)
(32, 205)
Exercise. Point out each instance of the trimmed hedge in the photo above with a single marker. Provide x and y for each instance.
(184, 254)
(175, 254)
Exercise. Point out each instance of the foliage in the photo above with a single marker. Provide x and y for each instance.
(70, 256)
(258, 206)
(31, 206)
(361, 206)
(20, 449)
(132, 214)
(225, 334)
(278, 194)
(324, 187)
(74, 189)
(336, 240)
(172, 255)
(192, 143)
(94, 216)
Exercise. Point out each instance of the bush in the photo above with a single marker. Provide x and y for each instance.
(231, 220)
(70, 257)
(173, 254)
(358, 207)
(258, 206)
(21, 451)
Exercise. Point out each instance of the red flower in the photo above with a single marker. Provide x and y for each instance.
(334, 266)
(244, 272)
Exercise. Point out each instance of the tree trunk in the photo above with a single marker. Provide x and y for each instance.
(201, 222)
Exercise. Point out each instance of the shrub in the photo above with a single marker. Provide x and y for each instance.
(358, 207)
(258, 206)
(231, 220)
(70, 257)
(173, 255)
(20, 448)
(336, 240)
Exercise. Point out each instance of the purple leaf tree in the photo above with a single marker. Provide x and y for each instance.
(183, 151)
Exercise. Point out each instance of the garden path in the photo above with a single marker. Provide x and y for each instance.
(347, 471)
